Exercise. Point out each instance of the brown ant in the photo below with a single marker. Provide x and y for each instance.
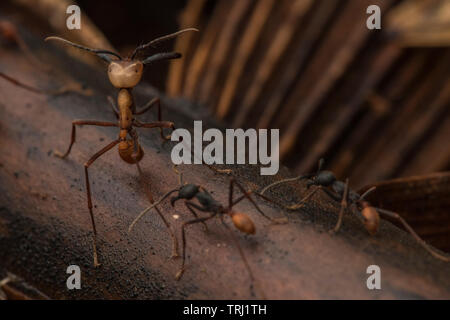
(11, 36)
(125, 74)
(207, 203)
(340, 191)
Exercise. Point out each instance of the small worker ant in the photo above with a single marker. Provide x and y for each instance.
(124, 74)
(11, 36)
(207, 203)
(340, 191)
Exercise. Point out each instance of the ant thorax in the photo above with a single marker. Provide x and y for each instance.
(325, 178)
(126, 103)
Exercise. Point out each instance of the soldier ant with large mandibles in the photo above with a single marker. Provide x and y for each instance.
(340, 191)
(124, 74)
(206, 203)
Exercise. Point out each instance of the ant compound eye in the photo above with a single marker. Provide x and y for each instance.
(243, 223)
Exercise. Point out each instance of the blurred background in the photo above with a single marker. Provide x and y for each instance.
(373, 103)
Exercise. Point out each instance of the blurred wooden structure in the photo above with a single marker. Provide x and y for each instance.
(374, 103)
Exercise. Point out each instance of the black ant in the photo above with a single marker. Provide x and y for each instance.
(340, 191)
(125, 74)
(207, 203)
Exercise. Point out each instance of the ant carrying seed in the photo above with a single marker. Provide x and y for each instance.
(124, 74)
(356, 203)
(206, 203)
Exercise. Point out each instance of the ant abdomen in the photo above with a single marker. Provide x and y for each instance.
(127, 152)
(371, 218)
(242, 222)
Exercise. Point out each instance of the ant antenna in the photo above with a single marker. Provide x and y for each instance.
(243, 257)
(321, 164)
(160, 39)
(305, 176)
(180, 175)
(162, 56)
(20, 84)
(103, 54)
(365, 194)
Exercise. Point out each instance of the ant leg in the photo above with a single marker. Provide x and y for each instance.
(180, 175)
(149, 105)
(306, 176)
(113, 107)
(183, 237)
(344, 205)
(210, 167)
(158, 124)
(303, 201)
(268, 200)
(196, 216)
(88, 192)
(3, 283)
(365, 194)
(246, 194)
(155, 101)
(71, 87)
(82, 123)
(332, 194)
(130, 228)
(166, 223)
(241, 253)
(396, 216)
(21, 85)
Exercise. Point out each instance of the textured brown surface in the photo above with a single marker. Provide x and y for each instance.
(44, 222)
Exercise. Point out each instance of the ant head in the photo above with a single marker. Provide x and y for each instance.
(159, 56)
(243, 222)
(125, 73)
(188, 191)
(371, 218)
(323, 178)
